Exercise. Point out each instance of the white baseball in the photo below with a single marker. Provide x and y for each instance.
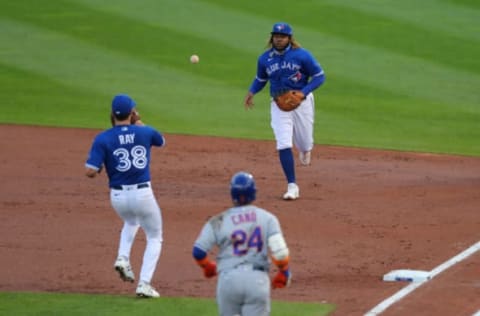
(194, 59)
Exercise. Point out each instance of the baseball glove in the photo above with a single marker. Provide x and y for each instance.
(289, 100)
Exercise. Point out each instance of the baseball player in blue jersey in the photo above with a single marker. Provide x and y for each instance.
(246, 237)
(124, 151)
(288, 66)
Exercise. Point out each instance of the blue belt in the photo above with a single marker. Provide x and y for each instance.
(139, 186)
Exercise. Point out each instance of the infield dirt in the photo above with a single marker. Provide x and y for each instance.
(361, 214)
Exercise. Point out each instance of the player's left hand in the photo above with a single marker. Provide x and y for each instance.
(290, 100)
(282, 279)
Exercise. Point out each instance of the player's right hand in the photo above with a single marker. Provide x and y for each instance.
(210, 269)
(249, 100)
(282, 279)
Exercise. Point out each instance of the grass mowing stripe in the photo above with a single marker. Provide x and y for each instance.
(75, 61)
(420, 127)
(400, 74)
(437, 16)
(158, 44)
(107, 72)
(35, 99)
(81, 63)
(196, 104)
(389, 35)
(396, 73)
(229, 27)
(402, 38)
(470, 4)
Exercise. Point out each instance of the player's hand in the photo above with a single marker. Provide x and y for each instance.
(210, 269)
(135, 119)
(249, 101)
(282, 279)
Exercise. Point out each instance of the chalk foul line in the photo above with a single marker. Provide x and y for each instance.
(380, 308)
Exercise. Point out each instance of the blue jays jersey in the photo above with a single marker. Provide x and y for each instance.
(288, 70)
(124, 150)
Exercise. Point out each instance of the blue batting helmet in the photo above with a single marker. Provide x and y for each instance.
(282, 28)
(242, 188)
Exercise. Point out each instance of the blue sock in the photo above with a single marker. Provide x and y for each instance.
(288, 165)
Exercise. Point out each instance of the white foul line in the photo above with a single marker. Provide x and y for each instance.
(410, 288)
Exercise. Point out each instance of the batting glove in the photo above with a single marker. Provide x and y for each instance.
(209, 267)
(282, 279)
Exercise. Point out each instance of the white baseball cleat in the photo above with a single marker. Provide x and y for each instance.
(122, 265)
(293, 192)
(146, 290)
(304, 157)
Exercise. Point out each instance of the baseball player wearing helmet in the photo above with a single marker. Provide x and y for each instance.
(288, 66)
(246, 236)
(124, 151)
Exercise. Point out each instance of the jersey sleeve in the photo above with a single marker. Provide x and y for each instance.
(261, 77)
(157, 138)
(206, 239)
(314, 70)
(273, 226)
(312, 65)
(96, 156)
(261, 69)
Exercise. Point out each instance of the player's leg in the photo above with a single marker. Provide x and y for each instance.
(303, 120)
(122, 263)
(127, 237)
(229, 296)
(120, 204)
(257, 292)
(282, 125)
(119, 201)
(151, 222)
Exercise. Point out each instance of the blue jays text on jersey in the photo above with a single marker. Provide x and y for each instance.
(290, 69)
(289, 65)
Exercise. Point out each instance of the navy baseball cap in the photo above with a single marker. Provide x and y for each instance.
(282, 28)
(122, 105)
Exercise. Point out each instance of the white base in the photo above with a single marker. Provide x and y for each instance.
(407, 275)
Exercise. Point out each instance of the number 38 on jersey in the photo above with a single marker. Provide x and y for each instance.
(137, 157)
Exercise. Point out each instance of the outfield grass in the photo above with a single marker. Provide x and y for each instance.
(402, 75)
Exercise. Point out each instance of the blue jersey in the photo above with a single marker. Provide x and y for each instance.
(124, 150)
(291, 69)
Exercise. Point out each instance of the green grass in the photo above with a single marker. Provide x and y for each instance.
(23, 304)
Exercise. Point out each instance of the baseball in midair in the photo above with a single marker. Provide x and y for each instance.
(194, 59)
